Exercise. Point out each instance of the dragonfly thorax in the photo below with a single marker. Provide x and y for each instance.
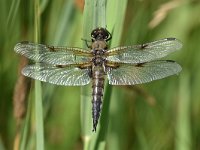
(99, 44)
(98, 61)
(98, 53)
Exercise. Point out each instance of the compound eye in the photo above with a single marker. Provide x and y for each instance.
(93, 34)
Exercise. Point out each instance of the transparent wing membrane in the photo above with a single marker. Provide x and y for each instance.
(69, 76)
(52, 55)
(143, 53)
(126, 65)
(128, 74)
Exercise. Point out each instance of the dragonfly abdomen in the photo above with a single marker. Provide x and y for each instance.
(97, 94)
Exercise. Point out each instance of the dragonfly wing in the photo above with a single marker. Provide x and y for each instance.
(52, 55)
(128, 74)
(68, 76)
(145, 52)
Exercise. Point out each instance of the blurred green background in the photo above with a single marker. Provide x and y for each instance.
(161, 115)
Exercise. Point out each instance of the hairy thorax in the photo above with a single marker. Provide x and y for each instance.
(99, 48)
(99, 44)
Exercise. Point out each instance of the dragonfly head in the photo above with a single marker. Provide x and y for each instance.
(100, 34)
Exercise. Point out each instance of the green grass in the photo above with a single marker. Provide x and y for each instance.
(159, 115)
(93, 9)
(39, 130)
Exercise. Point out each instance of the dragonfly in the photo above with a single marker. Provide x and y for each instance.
(123, 65)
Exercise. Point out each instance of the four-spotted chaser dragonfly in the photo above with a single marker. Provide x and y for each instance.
(126, 65)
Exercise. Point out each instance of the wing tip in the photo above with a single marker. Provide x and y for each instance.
(178, 42)
(25, 72)
(179, 68)
(18, 45)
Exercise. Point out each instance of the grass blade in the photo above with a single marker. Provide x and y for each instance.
(25, 129)
(86, 122)
(96, 10)
(99, 14)
(38, 89)
(183, 135)
(12, 13)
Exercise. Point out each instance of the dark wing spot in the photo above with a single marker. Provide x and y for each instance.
(61, 66)
(24, 42)
(82, 67)
(170, 61)
(51, 48)
(112, 65)
(171, 39)
(140, 65)
(143, 46)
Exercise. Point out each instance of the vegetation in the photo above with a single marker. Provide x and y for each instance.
(161, 115)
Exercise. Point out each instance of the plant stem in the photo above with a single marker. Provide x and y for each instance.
(38, 89)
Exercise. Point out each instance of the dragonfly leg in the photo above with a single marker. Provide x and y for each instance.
(86, 42)
(109, 37)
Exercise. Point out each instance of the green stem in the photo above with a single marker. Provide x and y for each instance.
(38, 89)
(24, 133)
(86, 122)
(100, 14)
(95, 9)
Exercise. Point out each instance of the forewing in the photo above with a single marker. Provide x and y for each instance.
(52, 55)
(143, 53)
(143, 72)
(68, 76)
